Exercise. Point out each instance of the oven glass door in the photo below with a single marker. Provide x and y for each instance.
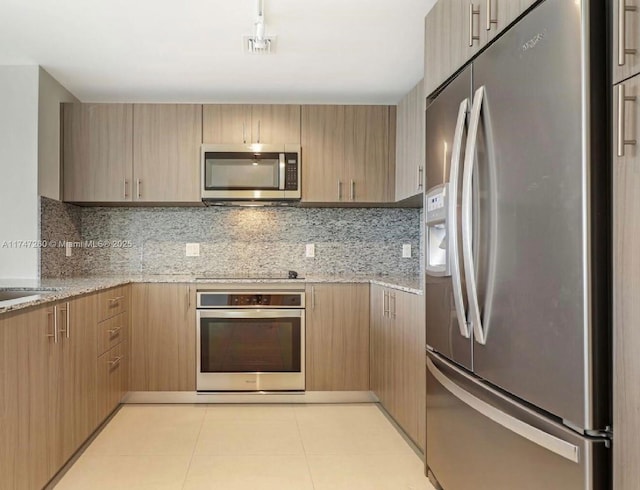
(242, 171)
(251, 341)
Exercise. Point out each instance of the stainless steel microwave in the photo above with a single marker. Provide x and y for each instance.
(250, 172)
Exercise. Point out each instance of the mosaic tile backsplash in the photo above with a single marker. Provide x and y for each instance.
(232, 240)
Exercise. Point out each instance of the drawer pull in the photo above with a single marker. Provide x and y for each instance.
(115, 300)
(114, 331)
(115, 362)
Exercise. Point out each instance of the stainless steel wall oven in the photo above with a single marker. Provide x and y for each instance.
(250, 341)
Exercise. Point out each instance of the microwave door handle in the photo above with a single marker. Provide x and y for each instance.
(282, 172)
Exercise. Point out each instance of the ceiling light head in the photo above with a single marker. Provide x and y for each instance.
(259, 43)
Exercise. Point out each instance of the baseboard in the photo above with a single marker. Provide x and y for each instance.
(272, 397)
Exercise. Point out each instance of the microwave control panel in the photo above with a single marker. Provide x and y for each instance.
(291, 172)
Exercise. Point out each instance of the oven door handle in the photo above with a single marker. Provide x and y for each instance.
(250, 313)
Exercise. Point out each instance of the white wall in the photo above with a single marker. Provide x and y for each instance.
(19, 206)
(51, 94)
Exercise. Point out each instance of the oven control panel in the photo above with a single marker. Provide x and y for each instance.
(215, 299)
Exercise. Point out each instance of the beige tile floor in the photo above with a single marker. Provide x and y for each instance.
(253, 447)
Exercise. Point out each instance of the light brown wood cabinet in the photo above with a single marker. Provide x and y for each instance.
(163, 337)
(626, 42)
(337, 337)
(166, 152)
(626, 290)
(410, 150)
(456, 30)
(348, 154)
(398, 374)
(47, 389)
(241, 123)
(112, 354)
(97, 152)
(132, 153)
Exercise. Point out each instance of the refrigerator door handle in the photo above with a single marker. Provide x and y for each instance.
(543, 439)
(454, 177)
(467, 239)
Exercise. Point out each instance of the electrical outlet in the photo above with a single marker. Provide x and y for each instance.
(67, 248)
(192, 250)
(310, 250)
(406, 250)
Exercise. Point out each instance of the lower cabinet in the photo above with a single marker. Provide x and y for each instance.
(163, 337)
(113, 374)
(337, 337)
(397, 357)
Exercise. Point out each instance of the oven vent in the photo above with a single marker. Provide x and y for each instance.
(253, 45)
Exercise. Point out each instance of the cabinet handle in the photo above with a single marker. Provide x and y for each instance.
(126, 183)
(622, 100)
(65, 330)
(385, 303)
(490, 21)
(393, 310)
(258, 132)
(138, 188)
(622, 31)
(353, 190)
(339, 190)
(420, 172)
(313, 298)
(115, 362)
(53, 312)
(114, 331)
(116, 299)
(472, 13)
(244, 133)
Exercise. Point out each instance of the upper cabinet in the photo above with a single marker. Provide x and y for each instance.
(626, 40)
(124, 152)
(456, 30)
(245, 124)
(347, 154)
(410, 151)
(166, 152)
(98, 152)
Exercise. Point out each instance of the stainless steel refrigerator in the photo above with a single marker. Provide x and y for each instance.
(518, 260)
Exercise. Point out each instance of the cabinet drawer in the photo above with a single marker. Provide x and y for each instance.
(112, 302)
(112, 331)
(112, 379)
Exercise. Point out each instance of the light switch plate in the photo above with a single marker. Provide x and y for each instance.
(67, 248)
(310, 250)
(192, 250)
(406, 250)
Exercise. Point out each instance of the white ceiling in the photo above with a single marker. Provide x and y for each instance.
(347, 51)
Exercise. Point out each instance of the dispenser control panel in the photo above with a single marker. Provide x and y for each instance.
(436, 200)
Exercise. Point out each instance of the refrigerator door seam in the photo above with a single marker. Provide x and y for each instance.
(554, 444)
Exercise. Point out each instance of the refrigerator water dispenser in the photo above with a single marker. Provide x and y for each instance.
(437, 204)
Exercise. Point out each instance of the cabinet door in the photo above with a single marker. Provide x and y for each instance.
(97, 152)
(370, 178)
(226, 123)
(626, 290)
(625, 63)
(275, 124)
(25, 413)
(77, 339)
(377, 356)
(163, 338)
(323, 140)
(410, 144)
(337, 337)
(450, 38)
(112, 371)
(166, 152)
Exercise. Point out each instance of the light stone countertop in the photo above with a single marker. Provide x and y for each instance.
(60, 289)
